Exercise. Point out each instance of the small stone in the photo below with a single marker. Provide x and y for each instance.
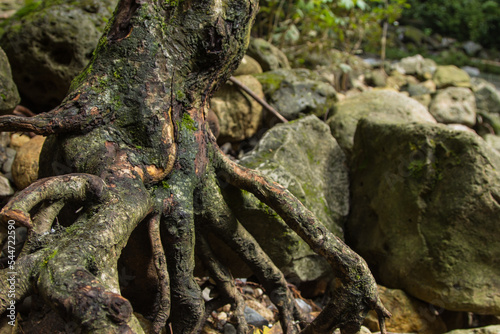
(304, 307)
(254, 318)
(229, 329)
(25, 165)
(18, 139)
(5, 187)
(10, 154)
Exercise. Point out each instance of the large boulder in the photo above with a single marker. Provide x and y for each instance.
(454, 105)
(304, 157)
(248, 66)
(9, 97)
(450, 75)
(240, 116)
(348, 112)
(49, 42)
(425, 208)
(267, 55)
(297, 92)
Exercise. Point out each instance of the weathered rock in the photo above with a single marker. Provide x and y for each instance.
(304, 157)
(377, 78)
(482, 330)
(18, 139)
(487, 96)
(397, 81)
(25, 166)
(248, 66)
(267, 55)
(416, 65)
(450, 75)
(424, 100)
(46, 46)
(493, 140)
(421, 88)
(240, 116)
(454, 105)
(297, 92)
(348, 112)
(9, 96)
(5, 187)
(425, 208)
(409, 315)
(471, 48)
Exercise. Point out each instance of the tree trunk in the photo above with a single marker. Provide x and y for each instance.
(133, 146)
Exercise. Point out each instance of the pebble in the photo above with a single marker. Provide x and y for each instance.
(255, 319)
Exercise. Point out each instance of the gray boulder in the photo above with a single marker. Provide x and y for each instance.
(240, 116)
(416, 65)
(425, 212)
(454, 105)
(49, 42)
(9, 97)
(267, 55)
(348, 112)
(493, 140)
(487, 96)
(303, 157)
(297, 92)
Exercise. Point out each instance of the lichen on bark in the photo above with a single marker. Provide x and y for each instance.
(136, 148)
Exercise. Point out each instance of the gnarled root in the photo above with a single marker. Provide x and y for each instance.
(74, 268)
(356, 291)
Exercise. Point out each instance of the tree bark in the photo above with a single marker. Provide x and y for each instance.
(132, 141)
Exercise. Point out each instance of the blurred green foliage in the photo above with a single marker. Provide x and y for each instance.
(343, 24)
(477, 20)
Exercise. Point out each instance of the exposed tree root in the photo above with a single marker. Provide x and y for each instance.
(134, 131)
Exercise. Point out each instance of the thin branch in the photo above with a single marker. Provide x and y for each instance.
(258, 99)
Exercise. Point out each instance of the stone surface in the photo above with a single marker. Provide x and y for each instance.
(409, 315)
(297, 92)
(483, 330)
(493, 140)
(9, 96)
(240, 116)
(303, 157)
(267, 55)
(25, 166)
(425, 208)
(344, 121)
(416, 65)
(487, 96)
(5, 187)
(450, 75)
(248, 66)
(454, 105)
(47, 49)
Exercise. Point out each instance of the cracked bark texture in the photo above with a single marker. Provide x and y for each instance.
(133, 140)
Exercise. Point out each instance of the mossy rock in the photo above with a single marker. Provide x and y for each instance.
(9, 97)
(425, 208)
(297, 92)
(267, 55)
(303, 157)
(450, 75)
(49, 42)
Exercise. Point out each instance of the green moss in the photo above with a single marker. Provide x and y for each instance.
(165, 185)
(188, 122)
(416, 168)
(48, 258)
(270, 81)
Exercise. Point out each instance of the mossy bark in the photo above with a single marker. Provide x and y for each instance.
(133, 141)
